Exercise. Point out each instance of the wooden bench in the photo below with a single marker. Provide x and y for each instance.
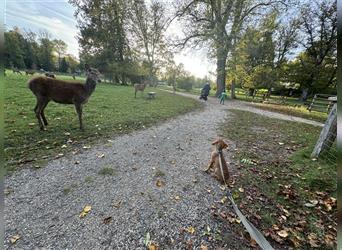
(151, 95)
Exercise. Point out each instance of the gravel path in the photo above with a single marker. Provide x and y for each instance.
(43, 206)
(235, 104)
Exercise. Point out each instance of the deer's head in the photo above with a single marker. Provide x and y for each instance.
(93, 74)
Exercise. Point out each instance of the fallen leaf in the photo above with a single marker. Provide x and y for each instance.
(107, 220)
(63, 146)
(223, 200)
(86, 147)
(313, 240)
(14, 238)
(190, 230)
(66, 133)
(100, 155)
(283, 233)
(31, 124)
(330, 240)
(160, 183)
(85, 211)
(329, 203)
(153, 246)
(241, 190)
(177, 198)
(203, 247)
(312, 203)
(117, 204)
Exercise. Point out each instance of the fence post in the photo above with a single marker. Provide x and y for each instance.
(328, 133)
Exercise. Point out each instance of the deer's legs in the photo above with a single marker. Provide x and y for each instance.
(38, 110)
(42, 113)
(79, 113)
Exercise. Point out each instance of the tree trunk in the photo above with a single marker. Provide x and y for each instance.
(250, 92)
(304, 96)
(232, 90)
(221, 58)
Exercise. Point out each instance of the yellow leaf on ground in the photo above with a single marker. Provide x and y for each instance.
(241, 190)
(153, 246)
(313, 240)
(203, 247)
(283, 233)
(159, 183)
(190, 230)
(85, 211)
(177, 198)
(14, 238)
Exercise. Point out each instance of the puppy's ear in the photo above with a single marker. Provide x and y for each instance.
(215, 142)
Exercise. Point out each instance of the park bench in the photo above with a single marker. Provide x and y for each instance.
(151, 95)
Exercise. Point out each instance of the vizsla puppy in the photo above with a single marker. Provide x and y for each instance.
(214, 163)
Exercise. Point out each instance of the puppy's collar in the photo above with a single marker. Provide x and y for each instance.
(219, 150)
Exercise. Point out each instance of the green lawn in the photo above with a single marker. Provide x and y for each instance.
(284, 191)
(111, 110)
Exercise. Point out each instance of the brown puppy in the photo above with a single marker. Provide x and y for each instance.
(215, 164)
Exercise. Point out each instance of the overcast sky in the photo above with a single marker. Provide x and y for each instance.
(56, 16)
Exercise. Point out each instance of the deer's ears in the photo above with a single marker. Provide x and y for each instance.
(225, 145)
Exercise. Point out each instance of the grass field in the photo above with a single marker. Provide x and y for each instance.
(285, 191)
(111, 110)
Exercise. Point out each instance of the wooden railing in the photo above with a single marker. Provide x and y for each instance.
(322, 103)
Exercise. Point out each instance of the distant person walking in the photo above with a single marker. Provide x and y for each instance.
(223, 97)
(205, 92)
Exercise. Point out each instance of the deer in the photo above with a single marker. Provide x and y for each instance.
(29, 72)
(48, 74)
(15, 70)
(48, 89)
(139, 87)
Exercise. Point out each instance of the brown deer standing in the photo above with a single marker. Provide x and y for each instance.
(46, 89)
(139, 87)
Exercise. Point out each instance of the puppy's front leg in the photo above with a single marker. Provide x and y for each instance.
(211, 163)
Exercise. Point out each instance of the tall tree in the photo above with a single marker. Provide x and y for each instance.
(318, 62)
(148, 24)
(261, 52)
(14, 53)
(102, 36)
(30, 48)
(217, 23)
(64, 66)
(45, 54)
(60, 47)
